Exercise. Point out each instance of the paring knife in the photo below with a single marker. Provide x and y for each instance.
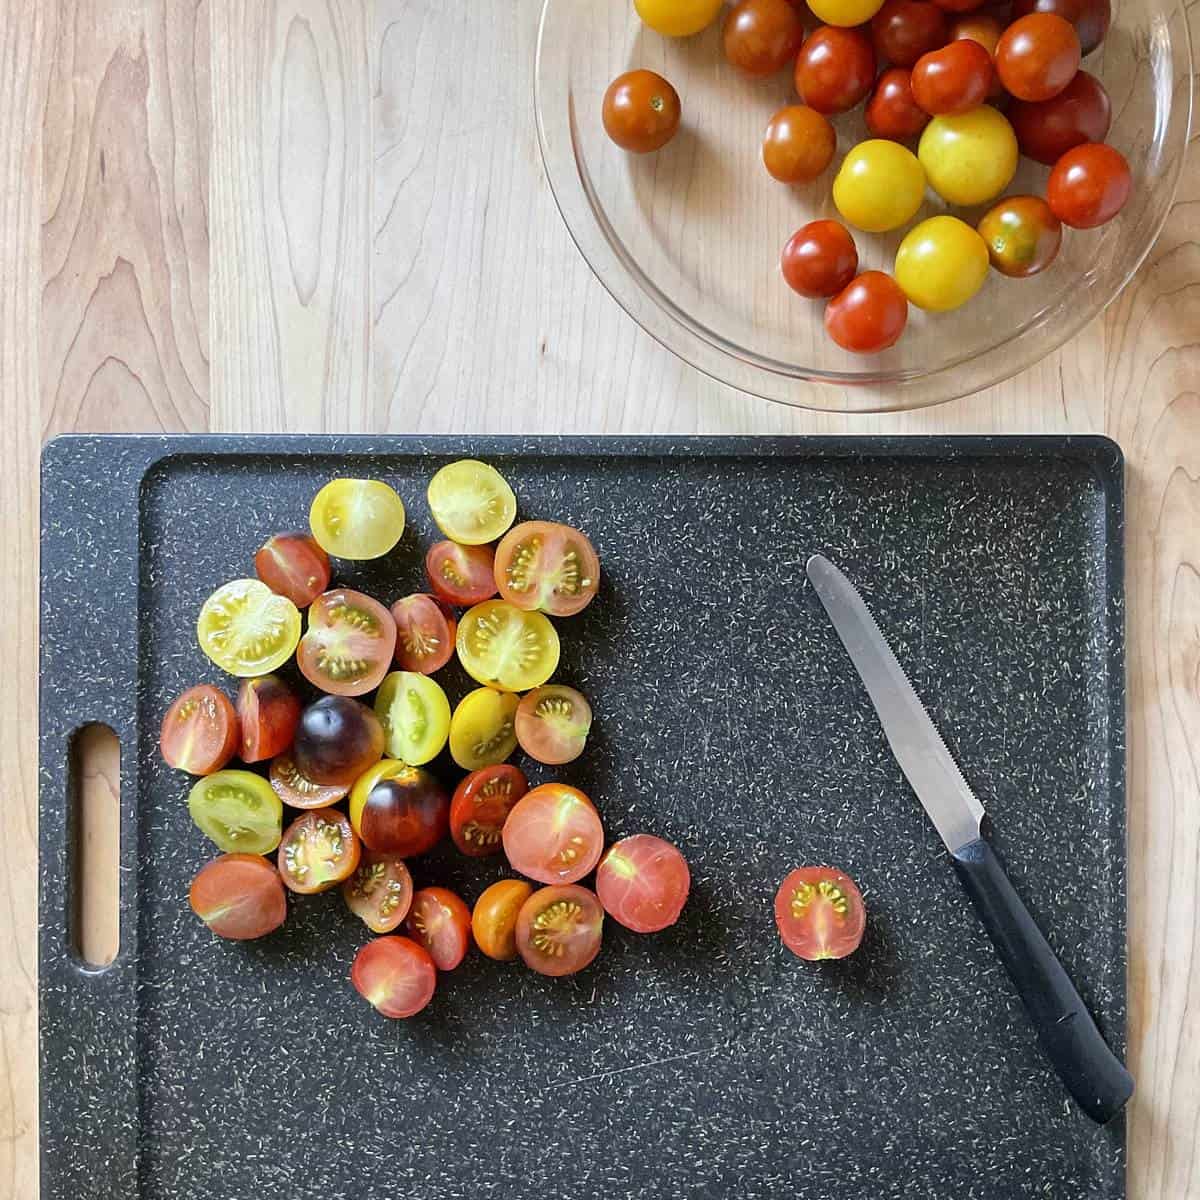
(1093, 1075)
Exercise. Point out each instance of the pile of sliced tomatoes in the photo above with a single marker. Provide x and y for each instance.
(359, 760)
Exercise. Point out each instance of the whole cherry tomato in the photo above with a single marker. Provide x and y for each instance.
(960, 6)
(843, 12)
(969, 158)
(1022, 235)
(1047, 129)
(986, 30)
(941, 263)
(892, 111)
(678, 18)
(869, 315)
(903, 30)
(954, 79)
(880, 185)
(1090, 17)
(641, 111)
(762, 36)
(835, 69)
(798, 145)
(820, 259)
(1089, 185)
(1038, 56)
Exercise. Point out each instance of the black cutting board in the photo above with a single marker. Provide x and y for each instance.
(705, 1061)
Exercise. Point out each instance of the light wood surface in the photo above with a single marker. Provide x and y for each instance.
(297, 215)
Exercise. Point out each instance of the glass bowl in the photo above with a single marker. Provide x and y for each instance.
(687, 240)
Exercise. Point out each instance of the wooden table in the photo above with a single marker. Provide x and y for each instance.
(242, 215)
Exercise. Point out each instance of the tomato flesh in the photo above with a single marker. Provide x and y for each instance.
(643, 882)
(480, 806)
(461, 575)
(425, 628)
(237, 810)
(336, 740)
(246, 629)
(349, 645)
(553, 834)
(471, 502)
(494, 918)
(503, 646)
(268, 712)
(552, 724)
(820, 913)
(318, 851)
(239, 896)
(559, 929)
(356, 518)
(395, 975)
(295, 788)
(548, 566)
(293, 565)
(441, 922)
(415, 716)
(380, 891)
(200, 731)
(483, 728)
(405, 813)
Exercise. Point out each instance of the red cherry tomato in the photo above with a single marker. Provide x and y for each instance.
(268, 712)
(380, 891)
(349, 644)
(1089, 185)
(559, 929)
(954, 79)
(762, 36)
(1037, 56)
(960, 6)
(553, 834)
(820, 913)
(643, 883)
(641, 111)
(986, 30)
(293, 565)
(461, 575)
(835, 69)
(1090, 17)
(293, 787)
(480, 806)
(547, 566)
(819, 259)
(395, 975)
(798, 145)
(239, 896)
(199, 732)
(892, 111)
(904, 30)
(425, 629)
(441, 922)
(1047, 129)
(318, 851)
(868, 315)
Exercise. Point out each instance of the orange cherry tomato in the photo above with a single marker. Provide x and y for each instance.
(798, 145)
(820, 913)
(1037, 56)
(494, 918)
(641, 111)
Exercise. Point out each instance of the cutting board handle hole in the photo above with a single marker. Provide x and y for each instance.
(95, 783)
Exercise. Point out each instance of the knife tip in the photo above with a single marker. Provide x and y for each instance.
(816, 563)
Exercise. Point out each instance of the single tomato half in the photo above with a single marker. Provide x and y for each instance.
(553, 723)
(643, 883)
(336, 740)
(239, 896)
(293, 565)
(199, 731)
(548, 566)
(295, 788)
(461, 575)
(268, 712)
(425, 628)
(404, 813)
(559, 929)
(395, 975)
(820, 913)
(318, 851)
(553, 834)
(380, 891)
(480, 806)
(349, 644)
(441, 922)
(494, 918)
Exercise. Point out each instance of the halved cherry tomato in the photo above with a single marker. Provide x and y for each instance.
(380, 891)
(553, 723)
(559, 929)
(893, 112)
(293, 565)
(1047, 129)
(869, 315)
(425, 628)
(1037, 56)
(349, 644)
(1090, 17)
(336, 740)
(356, 518)
(762, 36)
(482, 729)
(954, 79)
(1089, 185)
(903, 30)
(441, 922)
(820, 913)
(641, 111)
(318, 851)
(547, 566)
(819, 259)
(643, 882)
(405, 813)
(268, 711)
(471, 502)
(238, 810)
(395, 975)
(553, 834)
(494, 918)
(199, 731)
(480, 806)
(505, 647)
(246, 629)
(295, 788)
(798, 145)
(239, 896)
(461, 575)
(415, 715)
(835, 69)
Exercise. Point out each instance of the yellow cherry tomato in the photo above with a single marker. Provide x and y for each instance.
(415, 716)
(356, 518)
(880, 185)
(505, 647)
(970, 158)
(941, 263)
(471, 502)
(483, 728)
(678, 18)
(246, 629)
(845, 12)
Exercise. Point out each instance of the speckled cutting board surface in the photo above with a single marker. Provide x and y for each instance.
(702, 1062)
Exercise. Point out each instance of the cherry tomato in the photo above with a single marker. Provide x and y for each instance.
(268, 711)
(559, 929)
(425, 628)
(762, 36)
(835, 69)
(643, 883)
(471, 502)
(892, 111)
(318, 851)
(548, 566)
(494, 918)
(879, 186)
(844, 12)
(506, 647)
(820, 913)
(379, 892)
(969, 158)
(986, 30)
(480, 806)
(441, 922)
(239, 896)
(482, 729)
(869, 315)
(199, 732)
(336, 740)
(415, 716)
(819, 259)
(246, 629)
(356, 518)
(1089, 185)
(552, 724)
(954, 79)
(395, 975)
(293, 565)
(1022, 235)
(904, 30)
(1038, 56)
(295, 788)
(1047, 129)
(641, 111)
(678, 18)
(553, 834)
(461, 575)
(405, 813)
(237, 810)
(1090, 17)
(349, 644)
(960, 6)
(941, 263)
(798, 145)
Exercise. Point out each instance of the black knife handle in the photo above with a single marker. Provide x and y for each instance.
(1093, 1075)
